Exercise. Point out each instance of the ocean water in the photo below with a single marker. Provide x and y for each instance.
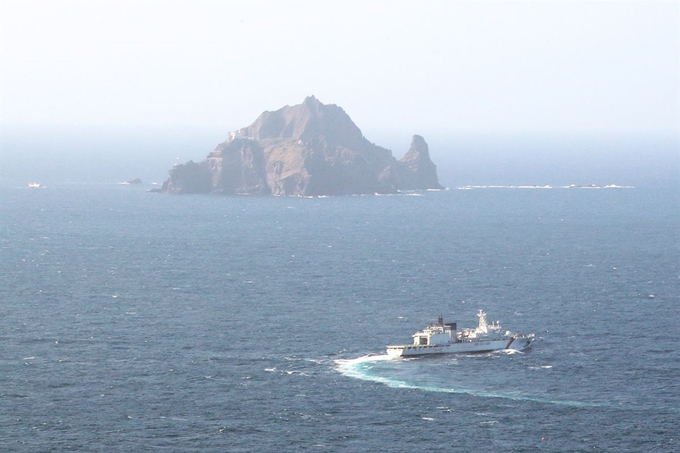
(132, 321)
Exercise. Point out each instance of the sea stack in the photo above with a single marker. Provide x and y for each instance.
(309, 149)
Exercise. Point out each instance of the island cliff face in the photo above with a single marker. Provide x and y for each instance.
(308, 149)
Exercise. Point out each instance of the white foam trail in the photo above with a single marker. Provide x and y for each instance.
(350, 367)
(366, 358)
(355, 368)
(360, 368)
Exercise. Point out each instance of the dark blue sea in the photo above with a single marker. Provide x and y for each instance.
(133, 322)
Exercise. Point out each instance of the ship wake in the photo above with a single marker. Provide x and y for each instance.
(387, 371)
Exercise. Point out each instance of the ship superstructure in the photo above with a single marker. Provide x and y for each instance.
(445, 338)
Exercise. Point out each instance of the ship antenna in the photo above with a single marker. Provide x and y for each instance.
(440, 320)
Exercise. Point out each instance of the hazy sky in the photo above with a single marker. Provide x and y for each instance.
(420, 66)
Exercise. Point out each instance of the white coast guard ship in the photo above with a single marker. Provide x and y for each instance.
(445, 338)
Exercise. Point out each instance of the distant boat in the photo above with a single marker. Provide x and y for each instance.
(35, 185)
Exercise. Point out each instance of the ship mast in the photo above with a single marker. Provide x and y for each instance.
(482, 322)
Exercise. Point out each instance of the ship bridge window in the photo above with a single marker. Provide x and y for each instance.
(423, 341)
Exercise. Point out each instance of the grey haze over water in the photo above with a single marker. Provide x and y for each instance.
(70, 155)
(505, 92)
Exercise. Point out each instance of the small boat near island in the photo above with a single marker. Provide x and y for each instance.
(445, 338)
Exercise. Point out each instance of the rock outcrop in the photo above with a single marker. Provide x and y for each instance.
(308, 149)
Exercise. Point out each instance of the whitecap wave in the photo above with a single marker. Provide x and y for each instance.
(547, 186)
(506, 187)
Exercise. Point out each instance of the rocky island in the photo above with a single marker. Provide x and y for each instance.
(310, 149)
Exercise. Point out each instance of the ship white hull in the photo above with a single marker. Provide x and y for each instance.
(481, 345)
